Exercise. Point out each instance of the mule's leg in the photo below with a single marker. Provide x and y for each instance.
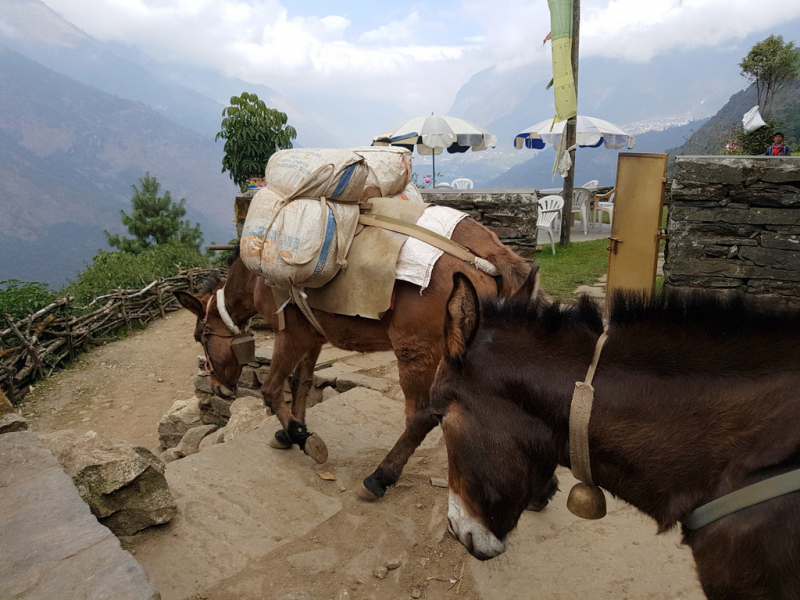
(289, 350)
(302, 380)
(417, 369)
(542, 500)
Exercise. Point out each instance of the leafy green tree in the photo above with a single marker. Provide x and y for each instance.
(155, 220)
(770, 64)
(252, 133)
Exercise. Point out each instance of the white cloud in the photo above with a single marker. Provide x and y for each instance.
(420, 63)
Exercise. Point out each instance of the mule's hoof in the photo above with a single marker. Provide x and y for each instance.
(363, 492)
(371, 488)
(316, 448)
(281, 440)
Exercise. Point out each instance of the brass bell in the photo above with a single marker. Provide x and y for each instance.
(586, 501)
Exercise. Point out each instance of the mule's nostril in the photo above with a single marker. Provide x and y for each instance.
(468, 542)
(450, 529)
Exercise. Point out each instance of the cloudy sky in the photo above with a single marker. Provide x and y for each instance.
(416, 53)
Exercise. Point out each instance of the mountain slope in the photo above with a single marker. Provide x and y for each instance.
(715, 133)
(68, 156)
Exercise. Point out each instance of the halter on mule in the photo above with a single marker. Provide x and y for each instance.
(243, 344)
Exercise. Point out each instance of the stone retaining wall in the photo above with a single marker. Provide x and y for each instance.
(734, 224)
(510, 213)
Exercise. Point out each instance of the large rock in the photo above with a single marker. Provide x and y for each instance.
(246, 414)
(182, 416)
(124, 485)
(51, 547)
(190, 442)
(12, 422)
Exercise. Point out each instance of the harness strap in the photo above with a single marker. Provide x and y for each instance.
(580, 412)
(223, 311)
(429, 237)
(743, 498)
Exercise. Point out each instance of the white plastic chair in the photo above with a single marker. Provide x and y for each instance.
(591, 184)
(443, 185)
(604, 203)
(550, 208)
(581, 198)
(462, 183)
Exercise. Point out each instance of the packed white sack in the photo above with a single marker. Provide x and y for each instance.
(389, 168)
(411, 193)
(299, 244)
(339, 175)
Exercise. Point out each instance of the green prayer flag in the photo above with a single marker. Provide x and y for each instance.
(561, 17)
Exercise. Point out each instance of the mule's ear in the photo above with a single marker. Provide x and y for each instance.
(190, 303)
(529, 289)
(462, 318)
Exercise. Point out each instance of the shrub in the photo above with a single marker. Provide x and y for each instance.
(752, 144)
(112, 270)
(20, 299)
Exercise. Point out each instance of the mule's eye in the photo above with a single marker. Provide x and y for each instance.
(439, 417)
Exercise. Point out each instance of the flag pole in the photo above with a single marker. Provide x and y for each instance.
(570, 131)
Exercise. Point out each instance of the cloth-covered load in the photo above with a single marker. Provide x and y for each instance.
(339, 175)
(302, 243)
(389, 170)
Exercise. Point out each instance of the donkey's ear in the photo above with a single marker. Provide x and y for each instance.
(529, 289)
(462, 318)
(190, 303)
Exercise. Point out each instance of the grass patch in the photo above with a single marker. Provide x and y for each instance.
(579, 264)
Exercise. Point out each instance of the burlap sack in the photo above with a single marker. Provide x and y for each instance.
(339, 175)
(389, 169)
(299, 243)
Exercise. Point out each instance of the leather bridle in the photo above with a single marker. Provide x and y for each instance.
(207, 331)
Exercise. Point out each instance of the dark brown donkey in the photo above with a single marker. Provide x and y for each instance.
(412, 328)
(695, 397)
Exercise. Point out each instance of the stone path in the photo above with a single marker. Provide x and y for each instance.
(51, 547)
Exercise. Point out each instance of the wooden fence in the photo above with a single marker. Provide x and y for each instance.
(34, 347)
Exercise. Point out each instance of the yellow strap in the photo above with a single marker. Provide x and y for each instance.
(580, 412)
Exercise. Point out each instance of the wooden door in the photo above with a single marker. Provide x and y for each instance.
(633, 249)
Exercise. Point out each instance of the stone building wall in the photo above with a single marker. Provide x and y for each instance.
(734, 224)
(510, 213)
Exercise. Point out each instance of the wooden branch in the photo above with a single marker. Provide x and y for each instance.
(31, 350)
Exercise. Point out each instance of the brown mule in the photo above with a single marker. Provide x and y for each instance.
(695, 397)
(412, 328)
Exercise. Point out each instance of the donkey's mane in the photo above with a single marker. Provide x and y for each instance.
(716, 314)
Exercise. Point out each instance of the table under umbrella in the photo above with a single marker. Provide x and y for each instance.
(433, 133)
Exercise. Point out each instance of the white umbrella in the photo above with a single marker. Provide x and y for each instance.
(591, 132)
(433, 133)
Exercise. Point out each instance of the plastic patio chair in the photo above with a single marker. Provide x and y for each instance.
(591, 184)
(581, 197)
(443, 185)
(462, 183)
(604, 203)
(550, 208)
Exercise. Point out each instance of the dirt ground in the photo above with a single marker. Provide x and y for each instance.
(339, 546)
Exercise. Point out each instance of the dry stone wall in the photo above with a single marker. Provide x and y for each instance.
(734, 224)
(510, 213)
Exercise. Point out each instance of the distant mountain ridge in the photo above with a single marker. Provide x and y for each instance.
(68, 156)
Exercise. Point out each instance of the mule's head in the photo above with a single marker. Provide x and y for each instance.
(216, 338)
(500, 456)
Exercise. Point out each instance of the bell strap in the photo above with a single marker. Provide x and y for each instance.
(743, 498)
(580, 412)
(429, 237)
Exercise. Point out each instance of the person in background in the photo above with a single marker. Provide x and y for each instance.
(778, 148)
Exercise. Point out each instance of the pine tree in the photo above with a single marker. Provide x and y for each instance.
(155, 220)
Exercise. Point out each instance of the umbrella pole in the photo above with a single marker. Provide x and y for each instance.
(433, 156)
